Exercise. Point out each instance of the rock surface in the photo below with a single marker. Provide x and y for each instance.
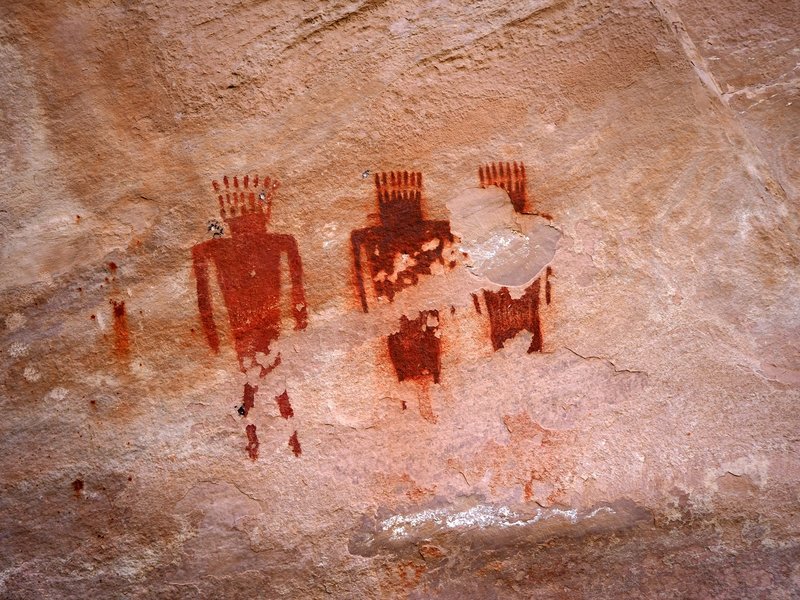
(590, 393)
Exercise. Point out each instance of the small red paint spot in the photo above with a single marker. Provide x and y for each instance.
(248, 399)
(404, 404)
(294, 444)
(112, 266)
(121, 333)
(93, 403)
(80, 289)
(252, 442)
(284, 405)
(452, 309)
(77, 486)
(130, 478)
(93, 317)
(77, 218)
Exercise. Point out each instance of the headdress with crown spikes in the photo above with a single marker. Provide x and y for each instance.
(399, 196)
(510, 177)
(245, 197)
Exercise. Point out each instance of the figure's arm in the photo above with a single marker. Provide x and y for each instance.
(200, 260)
(441, 229)
(356, 239)
(299, 308)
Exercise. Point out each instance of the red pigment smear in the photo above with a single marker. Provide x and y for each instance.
(248, 266)
(294, 444)
(252, 442)
(403, 232)
(121, 332)
(284, 405)
(507, 317)
(547, 290)
(415, 349)
(77, 486)
(248, 398)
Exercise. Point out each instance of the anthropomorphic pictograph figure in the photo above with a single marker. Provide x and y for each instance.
(508, 316)
(404, 245)
(248, 267)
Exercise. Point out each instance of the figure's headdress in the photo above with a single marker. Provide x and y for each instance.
(510, 177)
(399, 196)
(248, 196)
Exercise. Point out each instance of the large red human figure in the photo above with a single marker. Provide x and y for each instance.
(248, 266)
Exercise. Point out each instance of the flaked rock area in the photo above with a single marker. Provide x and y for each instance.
(413, 299)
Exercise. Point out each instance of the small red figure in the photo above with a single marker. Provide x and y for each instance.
(404, 245)
(248, 265)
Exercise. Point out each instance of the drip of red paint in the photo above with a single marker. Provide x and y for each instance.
(248, 398)
(284, 405)
(415, 349)
(121, 332)
(294, 444)
(547, 287)
(252, 442)
(77, 486)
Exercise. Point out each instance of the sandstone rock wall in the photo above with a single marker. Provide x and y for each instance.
(562, 361)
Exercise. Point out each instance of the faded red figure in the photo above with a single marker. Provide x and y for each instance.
(248, 267)
(404, 245)
(509, 316)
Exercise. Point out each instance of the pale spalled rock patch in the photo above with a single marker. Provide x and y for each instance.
(504, 247)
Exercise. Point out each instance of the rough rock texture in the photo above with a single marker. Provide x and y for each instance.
(323, 389)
